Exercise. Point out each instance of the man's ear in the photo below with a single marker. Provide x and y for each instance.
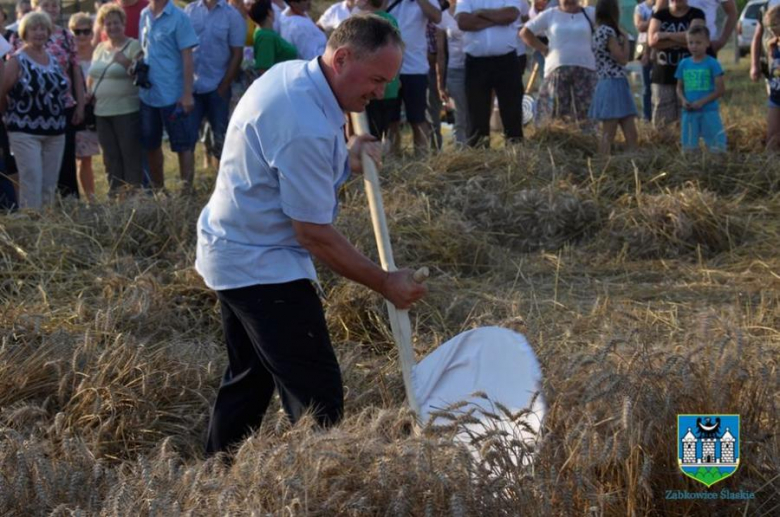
(341, 57)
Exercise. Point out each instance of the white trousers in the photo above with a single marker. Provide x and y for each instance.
(38, 159)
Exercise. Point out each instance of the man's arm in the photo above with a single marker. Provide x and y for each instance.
(186, 101)
(502, 16)
(330, 247)
(471, 22)
(432, 12)
(441, 63)
(236, 38)
(234, 66)
(730, 8)
(640, 24)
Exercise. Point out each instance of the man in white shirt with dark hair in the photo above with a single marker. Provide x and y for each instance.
(412, 17)
(490, 41)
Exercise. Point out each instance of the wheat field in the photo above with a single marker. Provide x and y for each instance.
(648, 285)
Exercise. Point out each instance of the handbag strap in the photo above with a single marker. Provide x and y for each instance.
(588, 18)
(102, 75)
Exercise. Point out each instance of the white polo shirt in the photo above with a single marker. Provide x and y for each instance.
(284, 159)
(412, 22)
(492, 41)
(304, 34)
(334, 15)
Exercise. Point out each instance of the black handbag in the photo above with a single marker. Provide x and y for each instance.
(89, 122)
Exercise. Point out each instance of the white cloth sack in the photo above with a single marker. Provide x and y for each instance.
(493, 360)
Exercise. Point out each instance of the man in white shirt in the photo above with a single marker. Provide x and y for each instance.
(490, 41)
(272, 211)
(718, 40)
(301, 31)
(335, 14)
(412, 17)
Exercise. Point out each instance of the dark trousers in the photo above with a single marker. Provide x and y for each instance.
(380, 115)
(67, 184)
(7, 167)
(647, 92)
(276, 338)
(504, 75)
(7, 193)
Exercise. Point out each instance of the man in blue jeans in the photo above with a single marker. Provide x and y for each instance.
(167, 39)
(221, 31)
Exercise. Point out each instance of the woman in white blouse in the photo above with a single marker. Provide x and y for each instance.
(570, 67)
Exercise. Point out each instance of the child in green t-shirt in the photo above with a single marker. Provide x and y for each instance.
(270, 48)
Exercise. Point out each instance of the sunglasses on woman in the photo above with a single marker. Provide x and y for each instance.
(82, 32)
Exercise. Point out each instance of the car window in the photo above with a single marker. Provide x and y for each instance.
(752, 11)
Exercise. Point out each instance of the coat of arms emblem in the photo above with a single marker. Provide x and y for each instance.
(708, 446)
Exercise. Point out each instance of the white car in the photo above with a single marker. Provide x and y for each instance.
(746, 26)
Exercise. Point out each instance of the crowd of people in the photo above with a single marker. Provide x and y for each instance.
(115, 83)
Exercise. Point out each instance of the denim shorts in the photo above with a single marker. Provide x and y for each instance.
(181, 134)
(705, 125)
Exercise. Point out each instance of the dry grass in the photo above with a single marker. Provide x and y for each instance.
(647, 284)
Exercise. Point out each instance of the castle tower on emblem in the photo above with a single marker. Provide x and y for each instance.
(727, 447)
(689, 447)
(708, 451)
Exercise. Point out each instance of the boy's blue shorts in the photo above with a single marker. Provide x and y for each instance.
(706, 125)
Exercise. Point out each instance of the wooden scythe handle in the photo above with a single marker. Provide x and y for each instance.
(399, 319)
